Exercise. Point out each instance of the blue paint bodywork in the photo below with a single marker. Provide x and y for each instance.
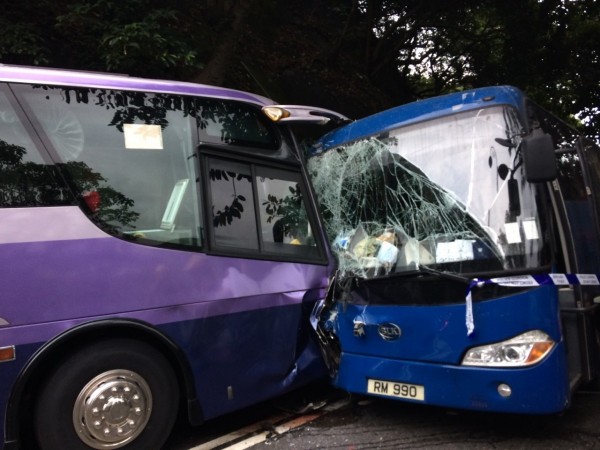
(420, 111)
(433, 341)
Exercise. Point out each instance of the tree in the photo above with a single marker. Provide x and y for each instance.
(355, 56)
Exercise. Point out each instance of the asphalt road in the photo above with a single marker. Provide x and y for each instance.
(335, 420)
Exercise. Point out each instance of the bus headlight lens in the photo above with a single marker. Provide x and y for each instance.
(523, 350)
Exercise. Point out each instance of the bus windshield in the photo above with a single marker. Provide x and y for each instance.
(448, 193)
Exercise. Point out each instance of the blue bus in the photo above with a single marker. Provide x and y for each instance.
(466, 230)
(160, 254)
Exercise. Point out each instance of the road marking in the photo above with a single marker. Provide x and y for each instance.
(259, 432)
(238, 434)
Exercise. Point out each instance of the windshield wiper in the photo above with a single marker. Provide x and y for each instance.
(428, 270)
(448, 275)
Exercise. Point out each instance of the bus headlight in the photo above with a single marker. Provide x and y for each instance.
(523, 350)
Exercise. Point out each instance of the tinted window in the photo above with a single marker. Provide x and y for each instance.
(260, 210)
(232, 204)
(284, 224)
(235, 123)
(27, 180)
(128, 155)
(591, 154)
(131, 159)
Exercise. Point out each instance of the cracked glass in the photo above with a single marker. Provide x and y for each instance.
(448, 194)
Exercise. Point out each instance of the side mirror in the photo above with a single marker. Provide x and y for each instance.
(539, 158)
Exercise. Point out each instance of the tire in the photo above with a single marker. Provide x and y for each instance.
(116, 393)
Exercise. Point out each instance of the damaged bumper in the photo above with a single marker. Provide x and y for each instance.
(527, 391)
(411, 354)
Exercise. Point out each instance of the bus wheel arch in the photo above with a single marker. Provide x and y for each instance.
(82, 338)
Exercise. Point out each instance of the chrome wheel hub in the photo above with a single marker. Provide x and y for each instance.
(112, 409)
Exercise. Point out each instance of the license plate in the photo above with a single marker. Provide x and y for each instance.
(396, 390)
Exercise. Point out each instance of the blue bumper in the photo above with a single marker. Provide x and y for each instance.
(539, 389)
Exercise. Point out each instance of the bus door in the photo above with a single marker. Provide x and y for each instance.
(575, 204)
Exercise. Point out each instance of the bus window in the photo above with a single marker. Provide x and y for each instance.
(231, 188)
(579, 210)
(26, 179)
(14, 136)
(236, 124)
(284, 222)
(130, 156)
(591, 155)
(260, 210)
(445, 197)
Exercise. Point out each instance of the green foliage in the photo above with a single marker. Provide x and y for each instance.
(31, 184)
(236, 208)
(355, 56)
(548, 48)
(128, 45)
(288, 211)
(20, 41)
(133, 37)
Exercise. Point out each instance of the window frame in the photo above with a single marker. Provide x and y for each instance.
(280, 156)
(264, 165)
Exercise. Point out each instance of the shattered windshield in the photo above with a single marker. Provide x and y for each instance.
(447, 194)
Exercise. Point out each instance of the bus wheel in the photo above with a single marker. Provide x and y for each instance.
(117, 393)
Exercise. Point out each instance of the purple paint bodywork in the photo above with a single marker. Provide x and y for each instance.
(53, 280)
(51, 284)
(17, 74)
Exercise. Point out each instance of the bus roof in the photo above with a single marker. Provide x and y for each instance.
(77, 78)
(419, 111)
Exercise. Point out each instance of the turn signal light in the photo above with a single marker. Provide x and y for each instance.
(276, 113)
(7, 353)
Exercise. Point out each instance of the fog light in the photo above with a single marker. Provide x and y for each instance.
(504, 390)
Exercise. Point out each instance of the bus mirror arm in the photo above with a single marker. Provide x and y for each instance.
(539, 157)
(514, 200)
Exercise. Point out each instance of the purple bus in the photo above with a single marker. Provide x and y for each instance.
(160, 254)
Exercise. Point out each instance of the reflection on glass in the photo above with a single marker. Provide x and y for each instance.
(283, 214)
(265, 214)
(578, 209)
(232, 204)
(123, 154)
(448, 192)
(236, 124)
